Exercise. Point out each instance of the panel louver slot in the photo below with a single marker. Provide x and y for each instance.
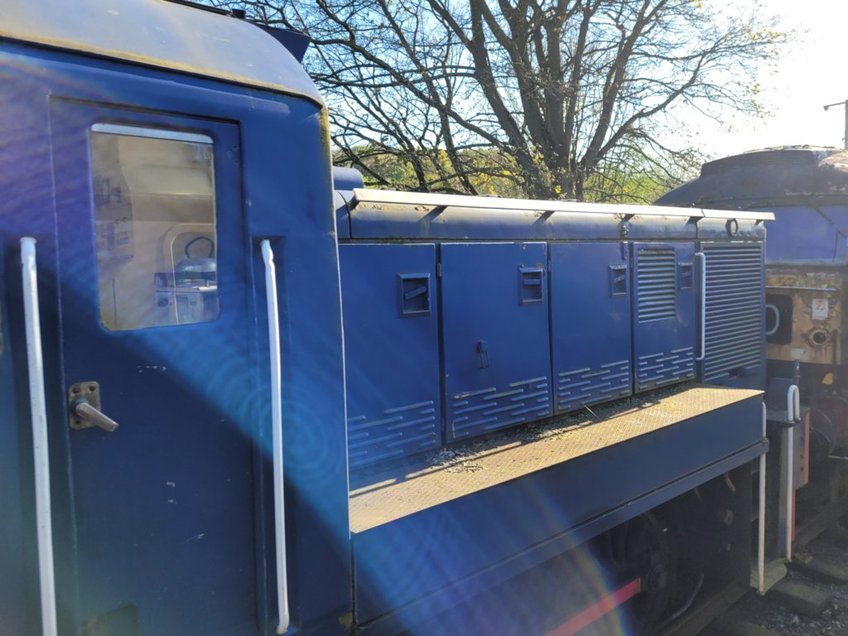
(734, 310)
(656, 284)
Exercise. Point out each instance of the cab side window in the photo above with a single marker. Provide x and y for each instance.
(153, 193)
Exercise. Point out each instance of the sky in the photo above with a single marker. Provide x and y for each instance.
(811, 72)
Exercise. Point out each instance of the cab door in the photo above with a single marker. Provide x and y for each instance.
(160, 397)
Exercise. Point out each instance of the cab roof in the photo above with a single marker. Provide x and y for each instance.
(160, 34)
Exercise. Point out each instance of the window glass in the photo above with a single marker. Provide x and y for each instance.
(154, 219)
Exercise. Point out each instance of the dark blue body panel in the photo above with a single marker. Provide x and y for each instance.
(663, 314)
(590, 320)
(184, 472)
(808, 233)
(443, 555)
(496, 347)
(391, 320)
(216, 454)
(805, 187)
(622, 290)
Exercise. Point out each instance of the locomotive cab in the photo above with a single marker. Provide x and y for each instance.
(156, 158)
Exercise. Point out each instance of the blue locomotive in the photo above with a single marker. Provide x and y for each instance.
(806, 325)
(807, 188)
(240, 399)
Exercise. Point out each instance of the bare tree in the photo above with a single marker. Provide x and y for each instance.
(546, 96)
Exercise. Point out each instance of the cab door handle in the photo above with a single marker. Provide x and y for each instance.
(84, 407)
(87, 413)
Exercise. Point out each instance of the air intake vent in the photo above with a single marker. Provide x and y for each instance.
(656, 283)
(734, 325)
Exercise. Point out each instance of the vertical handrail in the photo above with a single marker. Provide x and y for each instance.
(793, 403)
(790, 451)
(702, 259)
(761, 518)
(277, 434)
(41, 455)
(793, 412)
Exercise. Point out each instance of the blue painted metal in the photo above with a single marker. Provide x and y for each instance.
(391, 350)
(718, 229)
(450, 600)
(804, 186)
(495, 336)
(165, 461)
(166, 36)
(809, 234)
(344, 181)
(213, 452)
(440, 556)
(663, 314)
(409, 222)
(735, 341)
(590, 323)
(760, 177)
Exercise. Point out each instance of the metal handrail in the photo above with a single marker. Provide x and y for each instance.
(40, 450)
(761, 517)
(793, 403)
(702, 259)
(277, 434)
(793, 414)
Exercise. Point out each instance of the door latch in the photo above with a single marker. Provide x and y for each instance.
(84, 408)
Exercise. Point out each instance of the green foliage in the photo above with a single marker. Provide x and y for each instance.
(635, 182)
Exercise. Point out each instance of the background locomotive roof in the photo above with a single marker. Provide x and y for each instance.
(161, 34)
(366, 196)
(771, 176)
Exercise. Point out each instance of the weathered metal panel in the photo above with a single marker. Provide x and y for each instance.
(496, 339)
(191, 400)
(380, 214)
(734, 312)
(663, 314)
(161, 34)
(432, 530)
(805, 314)
(590, 323)
(391, 350)
(808, 232)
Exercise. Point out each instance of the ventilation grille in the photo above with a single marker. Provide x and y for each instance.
(656, 284)
(477, 412)
(666, 367)
(397, 432)
(734, 324)
(580, 387)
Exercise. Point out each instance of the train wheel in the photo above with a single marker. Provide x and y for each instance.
(830, 420)
(643, 547)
